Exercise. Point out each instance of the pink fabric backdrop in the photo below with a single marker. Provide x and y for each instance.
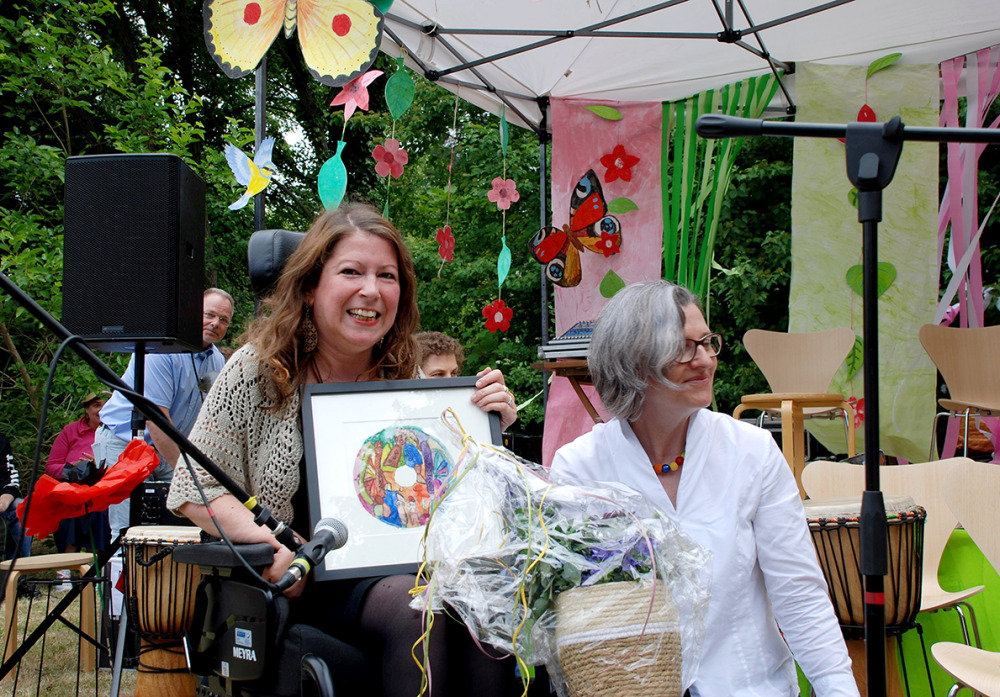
(579, 140)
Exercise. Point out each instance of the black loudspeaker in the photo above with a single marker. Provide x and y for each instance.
(134, 252)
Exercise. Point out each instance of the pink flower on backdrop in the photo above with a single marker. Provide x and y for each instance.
(498, 316)
(354, 95)
(859, 411)
(446, 243)
(390, 158)
(504, 193)
(610, 244)
(619, 164)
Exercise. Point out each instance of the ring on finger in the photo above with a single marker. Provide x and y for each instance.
(510, 400)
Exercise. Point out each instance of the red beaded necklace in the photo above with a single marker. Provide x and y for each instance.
(669, 466)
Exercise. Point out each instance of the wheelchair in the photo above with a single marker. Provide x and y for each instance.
(242, 642)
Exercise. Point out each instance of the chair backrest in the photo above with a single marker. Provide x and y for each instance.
(972, 490)
(920, 481)
(267, 252)
(802, 362)
(967, 360)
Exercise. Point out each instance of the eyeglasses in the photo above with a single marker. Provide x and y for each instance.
(211, 317)
(712, 343)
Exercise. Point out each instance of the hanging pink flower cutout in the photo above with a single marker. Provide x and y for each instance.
(354, 95)
(619, 164)
(609, 244)
(504, 193)
(446, 243)
(859, 411)
(390, 158)
(498, 316)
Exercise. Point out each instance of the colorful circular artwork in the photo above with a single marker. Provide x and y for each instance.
(397, 472)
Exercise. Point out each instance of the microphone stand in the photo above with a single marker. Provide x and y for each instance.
(873, 151)
(262, 516)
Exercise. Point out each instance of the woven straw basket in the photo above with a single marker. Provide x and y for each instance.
(607, 646)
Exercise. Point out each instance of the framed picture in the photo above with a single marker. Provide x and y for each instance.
(375, 454)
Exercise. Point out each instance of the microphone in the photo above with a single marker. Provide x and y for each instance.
(329, 534)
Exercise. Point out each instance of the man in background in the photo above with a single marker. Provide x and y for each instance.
(177, 384)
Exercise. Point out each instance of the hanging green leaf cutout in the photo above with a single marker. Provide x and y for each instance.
(503, 262)
(882, 63)
(855, 358)
(622, 204)
(611, 284)
(332, 181)
(852, 197)
(504, 131)
(606, 112)
(886, 276)
(399, 90)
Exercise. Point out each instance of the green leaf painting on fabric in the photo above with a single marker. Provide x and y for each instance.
(852, 197)
(503, 262)
(399, 90)
(606, 112)
(855, 358)
(611, 284)
(886, 277)
(882, 63)
(622, 204)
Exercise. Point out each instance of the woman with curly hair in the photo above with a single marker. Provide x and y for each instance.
(343, 310)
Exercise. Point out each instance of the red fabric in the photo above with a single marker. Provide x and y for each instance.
(55, 501)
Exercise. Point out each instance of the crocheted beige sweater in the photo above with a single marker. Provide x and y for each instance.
(259, 449)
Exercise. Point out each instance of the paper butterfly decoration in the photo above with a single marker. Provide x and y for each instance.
(590, 228)
(254, 174)
(339, 38)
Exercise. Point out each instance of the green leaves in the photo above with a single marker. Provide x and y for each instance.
(855, 358)
(882, 63)
(606, 112)
(620, 205)
(611, 284)
(399, 90)
(886, 276)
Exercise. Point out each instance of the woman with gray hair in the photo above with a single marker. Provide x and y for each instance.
(725, 483)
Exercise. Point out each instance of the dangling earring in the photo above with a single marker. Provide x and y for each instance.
(308, 331)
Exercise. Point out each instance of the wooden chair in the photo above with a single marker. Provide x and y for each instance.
(922, 482)
(967, 360)
(971, 490)
(799, 368)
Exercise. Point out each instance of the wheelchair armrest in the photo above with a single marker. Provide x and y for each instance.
(219, 555)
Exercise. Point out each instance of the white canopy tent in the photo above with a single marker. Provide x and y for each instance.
(517, 51)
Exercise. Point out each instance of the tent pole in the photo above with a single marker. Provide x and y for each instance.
(259, 128)
(543, 210)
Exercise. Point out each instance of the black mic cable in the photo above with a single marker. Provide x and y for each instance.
(329, 534)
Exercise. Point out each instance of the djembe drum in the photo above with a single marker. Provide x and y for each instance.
(836, 533)
(160, 596)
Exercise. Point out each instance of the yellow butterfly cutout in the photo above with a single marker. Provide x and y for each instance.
(339, 38)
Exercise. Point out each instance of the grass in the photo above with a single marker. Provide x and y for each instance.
(50, 668)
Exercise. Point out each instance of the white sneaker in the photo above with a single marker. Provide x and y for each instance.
(64, 585)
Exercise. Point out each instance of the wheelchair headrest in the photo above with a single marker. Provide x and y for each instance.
(267, 252)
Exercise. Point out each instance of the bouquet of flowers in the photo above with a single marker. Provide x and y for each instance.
(590, 580)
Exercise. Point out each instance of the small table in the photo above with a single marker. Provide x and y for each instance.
(70, 560)
(791, 405)
(578, 373)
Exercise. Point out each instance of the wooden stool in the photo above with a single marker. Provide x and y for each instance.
(79, 561)
(793, 442)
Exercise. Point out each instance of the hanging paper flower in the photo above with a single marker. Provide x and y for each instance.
(354, 95)
(504, 193)
(498, 316)
(390, 158)
(610, 243)
(446, 243)
(619, 164)
(859, 411)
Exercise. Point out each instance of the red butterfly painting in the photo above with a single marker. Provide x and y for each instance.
(590, 228)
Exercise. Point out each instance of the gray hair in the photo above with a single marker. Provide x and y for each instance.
(638, 335)
(219, 291)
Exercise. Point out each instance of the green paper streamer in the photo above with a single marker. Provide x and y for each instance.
(882, 63)
(504, 131)
(606, 112)
(622, 204)
(503, 262)
(333, 179)
(886, 276)
(855, 358)
(399, 90)
(611, 284)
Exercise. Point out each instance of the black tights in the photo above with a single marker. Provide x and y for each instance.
(457, 666)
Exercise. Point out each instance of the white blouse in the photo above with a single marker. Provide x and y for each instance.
(736, 497)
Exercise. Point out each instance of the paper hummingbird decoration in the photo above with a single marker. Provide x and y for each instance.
(339, 38)
(254, 174)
